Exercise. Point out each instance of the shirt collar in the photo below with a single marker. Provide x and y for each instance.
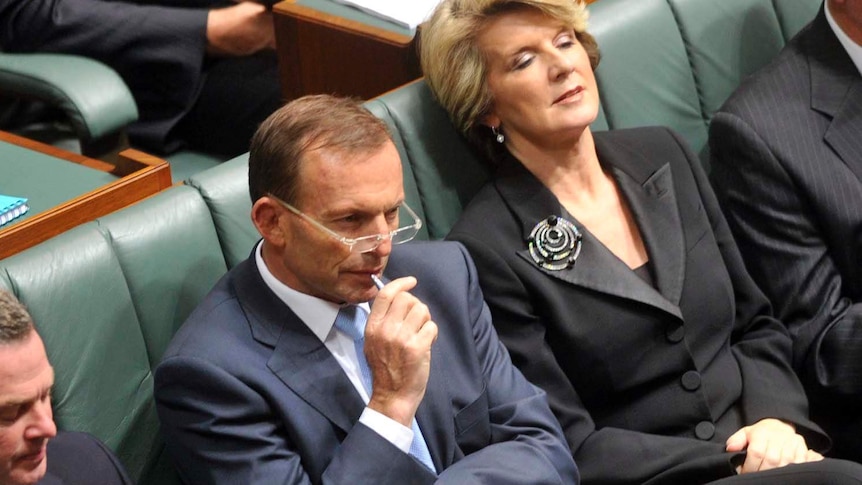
(316, 313)
(853, 49)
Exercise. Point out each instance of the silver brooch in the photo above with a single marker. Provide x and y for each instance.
(555, 243)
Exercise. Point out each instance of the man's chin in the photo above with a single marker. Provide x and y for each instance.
(26, 474)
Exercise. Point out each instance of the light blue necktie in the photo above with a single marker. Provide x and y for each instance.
(351, 320)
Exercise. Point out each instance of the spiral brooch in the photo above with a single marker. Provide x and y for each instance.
(555, 243)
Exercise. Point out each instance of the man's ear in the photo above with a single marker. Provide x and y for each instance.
(266, 214)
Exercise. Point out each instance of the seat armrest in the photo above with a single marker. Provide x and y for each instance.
(93, 96)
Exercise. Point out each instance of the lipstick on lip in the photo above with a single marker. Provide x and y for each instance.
(568, 94)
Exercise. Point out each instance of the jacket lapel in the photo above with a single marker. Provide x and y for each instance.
(435, 414)
(299, 358)
(650, 194)
(836, 91)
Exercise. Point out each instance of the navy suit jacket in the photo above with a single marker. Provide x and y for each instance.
(787, 165)
(247, 394)
(648, 382)
(80, 459)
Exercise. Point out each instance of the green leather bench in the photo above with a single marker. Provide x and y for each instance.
(108, 295)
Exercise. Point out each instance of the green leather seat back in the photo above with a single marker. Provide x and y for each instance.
(75, 290)
(726, 42)
(225, 190)
(644, 76)
(675, 62)
(169, 251)
(446, 170)
(174, 229)
(411, 191)
(795, 14)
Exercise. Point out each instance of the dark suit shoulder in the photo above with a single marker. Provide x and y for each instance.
(76, 458)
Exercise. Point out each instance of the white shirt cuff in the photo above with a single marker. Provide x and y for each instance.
(391, 430)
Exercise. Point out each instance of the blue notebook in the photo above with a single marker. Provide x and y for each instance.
(11, 208)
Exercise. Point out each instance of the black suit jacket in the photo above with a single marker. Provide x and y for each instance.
(81, 459)
(648, 383)
(787, 166)
(248, 394)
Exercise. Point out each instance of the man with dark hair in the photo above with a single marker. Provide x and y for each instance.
(308, 363)
(31, 451)
(787, 166)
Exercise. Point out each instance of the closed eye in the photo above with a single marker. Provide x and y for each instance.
(522, 62)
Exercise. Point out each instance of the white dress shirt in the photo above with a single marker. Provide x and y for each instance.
(853, 49)
(319, 316)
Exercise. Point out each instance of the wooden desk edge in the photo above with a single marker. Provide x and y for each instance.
(290, 8)
(151, 176)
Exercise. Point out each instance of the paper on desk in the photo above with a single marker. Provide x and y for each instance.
(406, 13)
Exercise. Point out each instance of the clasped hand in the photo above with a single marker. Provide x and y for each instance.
(240, 30)
(398, 339)
(770, 443)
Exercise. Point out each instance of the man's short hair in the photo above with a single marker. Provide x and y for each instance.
(15, 323)
(318, 122)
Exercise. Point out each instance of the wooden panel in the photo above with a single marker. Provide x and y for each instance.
(141, 175)
(323, 53)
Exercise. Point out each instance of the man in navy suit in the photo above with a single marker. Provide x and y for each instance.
(31, 451)
(265, 383)
(787, 166)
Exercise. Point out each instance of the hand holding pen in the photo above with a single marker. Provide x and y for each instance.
(398, 339)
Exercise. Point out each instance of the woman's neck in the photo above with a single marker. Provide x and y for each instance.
(570, 170)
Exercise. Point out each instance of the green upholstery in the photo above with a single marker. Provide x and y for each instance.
(674, 62)
(644, 76)
(794, 15)
(75, 289)
(108, 295)
(225, 190)
(94, 98)
(440, 188)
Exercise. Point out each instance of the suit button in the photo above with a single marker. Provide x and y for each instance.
(690, 380)
(704, 430)
(675, 334)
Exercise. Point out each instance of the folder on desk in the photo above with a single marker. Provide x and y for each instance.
(11, 208)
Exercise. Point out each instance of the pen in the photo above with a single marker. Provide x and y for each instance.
(377, 282)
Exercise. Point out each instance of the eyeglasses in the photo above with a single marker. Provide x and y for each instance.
(363, 244)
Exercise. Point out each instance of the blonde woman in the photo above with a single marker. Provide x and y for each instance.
(608, 267)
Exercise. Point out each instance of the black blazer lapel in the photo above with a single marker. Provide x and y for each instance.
(299, 358)
(648, 187)
(596, 267)
(836, 91)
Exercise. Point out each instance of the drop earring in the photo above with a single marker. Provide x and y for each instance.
(499, 137)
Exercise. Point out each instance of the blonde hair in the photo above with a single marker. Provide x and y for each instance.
(455, 68)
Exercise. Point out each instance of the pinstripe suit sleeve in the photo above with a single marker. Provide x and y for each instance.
(780, 232)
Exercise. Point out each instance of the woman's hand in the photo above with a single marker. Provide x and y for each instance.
(770, 443)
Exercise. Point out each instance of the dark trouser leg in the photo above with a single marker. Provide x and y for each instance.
(826, 472)
(237, 95)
